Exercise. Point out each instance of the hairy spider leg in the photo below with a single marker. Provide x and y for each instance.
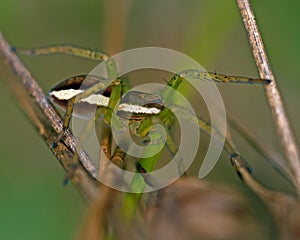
(164, 116)
(175, 83)
(64, 49)
(221, 78)
(239, 163)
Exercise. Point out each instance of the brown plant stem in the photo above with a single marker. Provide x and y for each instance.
(284, 130)
(36, 106)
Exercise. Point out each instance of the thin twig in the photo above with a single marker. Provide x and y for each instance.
(46, 120)
(271, 156)
(284, 130)
(280, 205)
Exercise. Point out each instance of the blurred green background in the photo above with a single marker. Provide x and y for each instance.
(33, 202)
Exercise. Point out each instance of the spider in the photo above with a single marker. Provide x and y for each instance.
(140, 109)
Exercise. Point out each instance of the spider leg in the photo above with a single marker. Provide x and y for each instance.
(165, 118)
(105, 129)
(236, 160)
(221, 78)
(70, 106)
(64, 49)
(82, 137)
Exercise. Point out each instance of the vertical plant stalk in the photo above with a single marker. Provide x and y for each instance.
(116, 17)
(284, 130)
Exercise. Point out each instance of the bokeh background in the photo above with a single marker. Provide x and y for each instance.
(33, 202)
